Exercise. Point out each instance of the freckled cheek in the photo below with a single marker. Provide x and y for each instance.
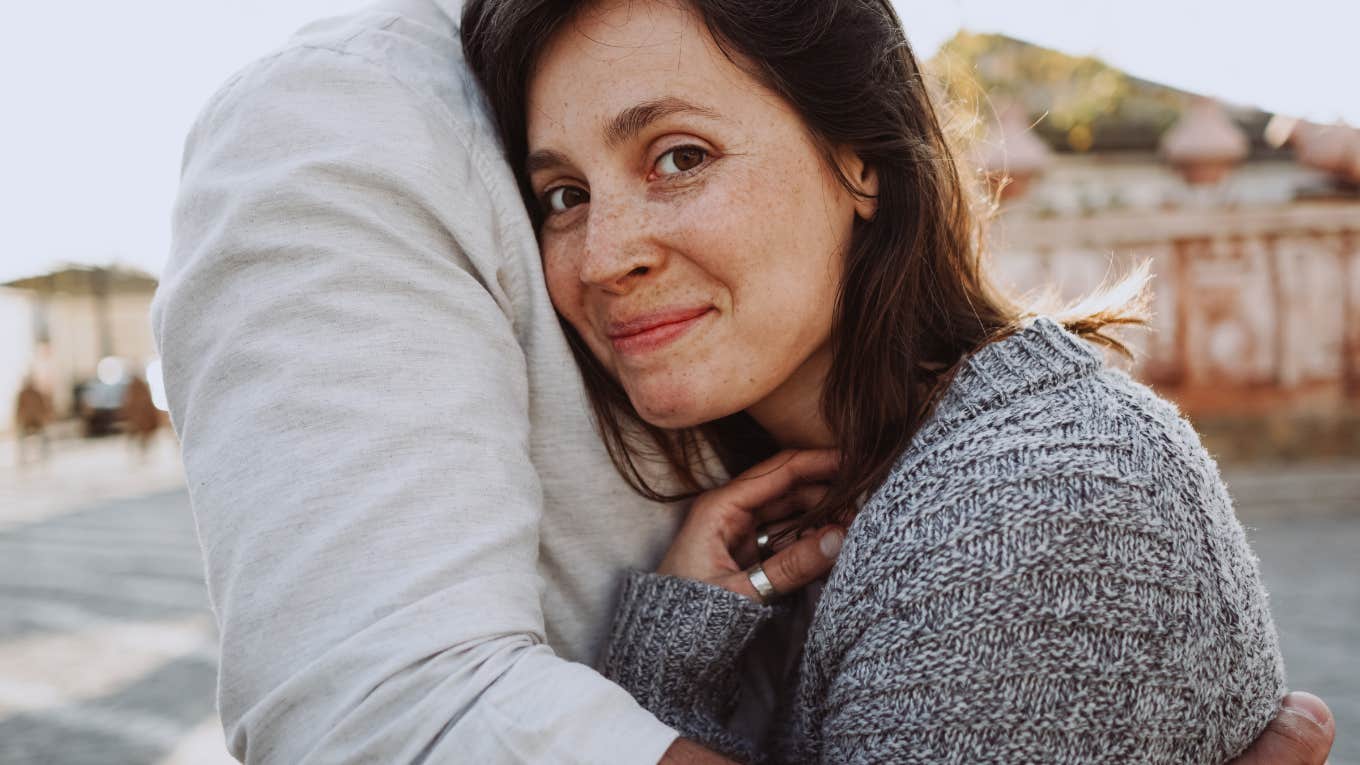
(724, 229)
(766, 238)
(562, 274)
(563, 284)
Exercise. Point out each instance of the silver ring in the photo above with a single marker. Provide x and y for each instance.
(764, 589)
(764, 547)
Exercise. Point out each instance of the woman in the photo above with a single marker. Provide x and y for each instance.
(754, 230)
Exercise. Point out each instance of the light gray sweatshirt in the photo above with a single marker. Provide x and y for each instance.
(1052, 573)
(412, 534)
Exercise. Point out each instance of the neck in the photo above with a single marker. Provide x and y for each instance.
(792, 414)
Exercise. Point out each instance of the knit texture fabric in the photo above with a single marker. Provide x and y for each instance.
(1052, 573)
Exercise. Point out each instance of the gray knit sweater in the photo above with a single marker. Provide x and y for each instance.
(1052, 573)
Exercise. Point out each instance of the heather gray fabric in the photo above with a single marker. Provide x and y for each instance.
(1052, 573)
(412, 533)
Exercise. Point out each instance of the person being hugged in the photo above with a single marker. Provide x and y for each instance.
(754, 227)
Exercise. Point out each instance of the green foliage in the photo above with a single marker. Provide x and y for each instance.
(1076, 101)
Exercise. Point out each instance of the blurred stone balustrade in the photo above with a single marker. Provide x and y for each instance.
(1331, 148)
(1256, 326)
(1249, 220)
(1204, 145)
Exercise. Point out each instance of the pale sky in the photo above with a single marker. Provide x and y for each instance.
(99, 95)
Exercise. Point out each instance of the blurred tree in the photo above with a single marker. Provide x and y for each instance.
(1077, 103)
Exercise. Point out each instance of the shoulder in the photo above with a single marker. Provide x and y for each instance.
(1097, 438)
(1091, 448)
(1088, 473)
(420, 53)
(1090, 464)
(1039, 410)
(393, 79)
(1071, 531)
(359, 122)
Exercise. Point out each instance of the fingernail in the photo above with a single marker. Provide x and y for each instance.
(1309, 706)
(830, 543)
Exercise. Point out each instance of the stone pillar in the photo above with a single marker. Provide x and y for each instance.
(1204, 145)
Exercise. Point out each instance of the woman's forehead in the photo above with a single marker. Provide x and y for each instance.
(624, 56)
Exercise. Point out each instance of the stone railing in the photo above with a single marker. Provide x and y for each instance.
(1256, 310)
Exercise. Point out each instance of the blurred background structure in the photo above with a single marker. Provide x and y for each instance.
(79, 336)
(1250, 221)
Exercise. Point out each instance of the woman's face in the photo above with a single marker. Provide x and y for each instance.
(693, 232)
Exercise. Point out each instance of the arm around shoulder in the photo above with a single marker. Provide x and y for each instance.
(352, 403)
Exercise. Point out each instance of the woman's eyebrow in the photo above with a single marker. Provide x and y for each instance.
(544, 159)
(624, 127)
(631, 121)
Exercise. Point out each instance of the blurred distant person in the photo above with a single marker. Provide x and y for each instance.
(32, 412)
(141, 419)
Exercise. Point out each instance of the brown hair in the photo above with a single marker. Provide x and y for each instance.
(914, 298)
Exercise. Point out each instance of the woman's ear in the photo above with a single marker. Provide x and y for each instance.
(864, 178)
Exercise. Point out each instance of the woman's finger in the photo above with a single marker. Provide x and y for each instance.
(775, 519)
(748, 552)
(796, 501)
(791, 569)
(775, 477)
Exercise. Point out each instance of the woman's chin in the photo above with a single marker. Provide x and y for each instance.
(671, 419)
(676, 411)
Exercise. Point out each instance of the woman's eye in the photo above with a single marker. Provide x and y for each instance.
(563, 198)
(680, 159)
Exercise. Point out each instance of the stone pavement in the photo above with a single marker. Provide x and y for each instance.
(81, 473)
(1312, 570)
(108, 651)
(1304, 523)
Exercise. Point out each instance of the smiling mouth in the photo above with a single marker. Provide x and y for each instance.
(651, 333)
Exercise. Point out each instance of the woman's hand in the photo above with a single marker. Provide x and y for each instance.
(716, 544)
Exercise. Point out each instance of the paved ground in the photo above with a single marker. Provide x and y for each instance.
(108, 652)
(1312, 570)
(1304, 523)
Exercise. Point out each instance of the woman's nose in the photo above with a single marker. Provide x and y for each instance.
(618, 251)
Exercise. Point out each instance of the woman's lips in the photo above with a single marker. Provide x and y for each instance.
(655, 330)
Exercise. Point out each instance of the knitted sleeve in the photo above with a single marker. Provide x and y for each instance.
(674, 646)
(1044, 605)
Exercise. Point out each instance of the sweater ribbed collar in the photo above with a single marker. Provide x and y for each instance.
(1042, 356)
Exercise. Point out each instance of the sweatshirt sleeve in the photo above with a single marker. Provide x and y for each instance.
(351, 398)
(675, 646)
(1047, 604)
